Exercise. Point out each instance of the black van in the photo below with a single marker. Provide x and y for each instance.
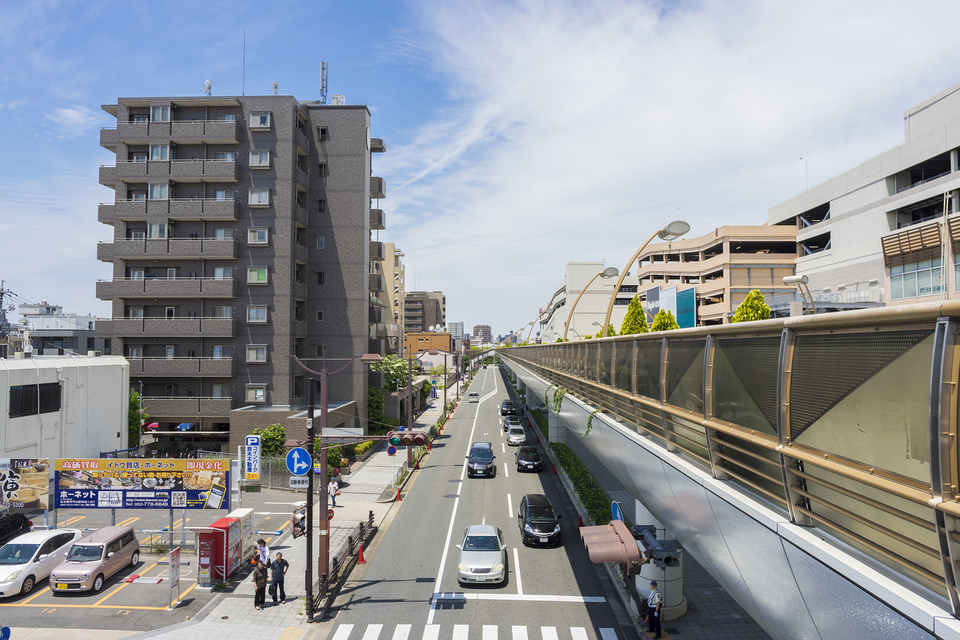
(480, 460)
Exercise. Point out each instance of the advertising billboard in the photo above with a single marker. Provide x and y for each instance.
(653, 303)
(687, 308)
(24, 483)
(142, 483)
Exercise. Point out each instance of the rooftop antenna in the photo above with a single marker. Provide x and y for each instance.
(276, 87)
(207, 86)
(243, 66)
(323, 82)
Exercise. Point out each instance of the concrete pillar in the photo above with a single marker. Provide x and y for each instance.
(522, 388)
(669, 581)
(555, 429)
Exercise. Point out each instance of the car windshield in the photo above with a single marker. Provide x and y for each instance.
(540, 514)
(85, 552)
(530, 454)
(481, 455)
(516, 431)
(17, 553)
(481, 543)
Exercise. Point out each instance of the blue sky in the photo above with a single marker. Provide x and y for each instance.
(520, 135)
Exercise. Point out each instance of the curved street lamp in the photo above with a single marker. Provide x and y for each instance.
(671, 231)
(609, 272)
(534, 323)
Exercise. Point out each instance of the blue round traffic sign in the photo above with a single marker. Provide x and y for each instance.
(402, 429)
(616, 513)
(298, 461)
(391, 450)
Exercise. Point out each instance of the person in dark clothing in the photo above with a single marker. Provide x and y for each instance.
(654, 602)
(260, 585)
(278, 569)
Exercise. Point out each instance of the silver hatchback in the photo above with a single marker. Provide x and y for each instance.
(483, 557)
(516, 436)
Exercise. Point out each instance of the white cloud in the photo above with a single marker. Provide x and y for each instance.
(72, 122)
(573, 130)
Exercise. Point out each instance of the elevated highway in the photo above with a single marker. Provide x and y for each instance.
(810, 464)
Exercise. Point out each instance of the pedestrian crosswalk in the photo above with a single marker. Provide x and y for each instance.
(463, 632)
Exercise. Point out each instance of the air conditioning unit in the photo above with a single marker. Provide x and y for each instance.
(94, 354)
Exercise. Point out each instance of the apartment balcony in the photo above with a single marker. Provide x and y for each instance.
(181, 367)
(183, 132)
(382, 330)
(196, 170)
(377, 282)
(377, 251)
(301, 179)
(166, 288)
(302, 141)
(377, 146)
(179, 407)
(378, 220)
(178, 209)
(378, 187)
(300, 214)
(167, 327)
(168, 249)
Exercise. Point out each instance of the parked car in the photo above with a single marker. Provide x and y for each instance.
(511, 421)
(186, 426)
(13, 525)
(480, 460)
(507, 408)
(516, 436)
(474, 396)
(92, 560)
(483, 556)
(538, 522)
(528, 459)
(484, 366)
(30, 557)
(153, 426)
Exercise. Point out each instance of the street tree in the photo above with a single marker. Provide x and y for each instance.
(636, 319)
(664, 321)
(753, 307)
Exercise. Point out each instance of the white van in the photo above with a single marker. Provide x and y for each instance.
(474, 396)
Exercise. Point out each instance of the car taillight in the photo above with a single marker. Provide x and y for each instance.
(30, 523)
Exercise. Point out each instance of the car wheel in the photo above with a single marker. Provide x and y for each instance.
(97, 583)
(135, 559)
(27, 587)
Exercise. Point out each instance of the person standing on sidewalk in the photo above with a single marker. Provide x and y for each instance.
(654, 600)
(278, 569)
(259, 585)
(263, 552)
(333, 489)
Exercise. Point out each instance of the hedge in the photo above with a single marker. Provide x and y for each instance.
(594, 499)
(542, 423)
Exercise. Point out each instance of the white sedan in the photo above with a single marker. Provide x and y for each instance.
(30, 558)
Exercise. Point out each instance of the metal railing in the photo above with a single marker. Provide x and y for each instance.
(843, 422)
(340, 566)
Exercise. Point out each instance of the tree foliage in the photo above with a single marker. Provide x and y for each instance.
(753, 307)
(610, 331)
(664, 321)
(394, 369)
(134, 418)
(375, 413)
(636, 319)
(271, 440)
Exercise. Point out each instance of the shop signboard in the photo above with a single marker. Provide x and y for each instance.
(142, 483)
(24, 483)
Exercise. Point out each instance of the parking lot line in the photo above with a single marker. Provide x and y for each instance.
(104, 598)
(39, 591)
(70, 521)
(128, 521)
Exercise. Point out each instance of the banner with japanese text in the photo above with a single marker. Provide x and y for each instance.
(142, 483)
(24, 483)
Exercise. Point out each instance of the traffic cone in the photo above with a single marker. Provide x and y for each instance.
(429, 448)
(399, 499)
(417, 467)
(554, 469)
(579, 525)
(360, 560)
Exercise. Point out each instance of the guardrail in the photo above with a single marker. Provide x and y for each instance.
(340, 566)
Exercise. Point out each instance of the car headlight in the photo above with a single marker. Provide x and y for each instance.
(556, 529)
(498, 568)
(85, 576)
(10, 578)
(529, 529)
(464, 568)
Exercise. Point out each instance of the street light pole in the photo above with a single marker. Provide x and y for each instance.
(409, 409)
(609, 272)
(308, 568)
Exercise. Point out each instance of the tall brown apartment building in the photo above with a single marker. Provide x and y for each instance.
(242, 236)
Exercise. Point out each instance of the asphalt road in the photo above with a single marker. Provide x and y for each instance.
(409, 588)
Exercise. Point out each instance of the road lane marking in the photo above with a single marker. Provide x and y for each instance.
(578, 633)
(461, 631)
(44, 590)
(519, 633)
(372, 632)
(525, 597)
(506, 470)
(516, 570)
(128, 521)
(70, 521)
(343, 632)
(104, 598)
(549, 633)
(607, 633)
(489, 632)
(509, 506)
(402, 632)
(431, 632)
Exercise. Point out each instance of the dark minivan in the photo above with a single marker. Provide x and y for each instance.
(538, 522)
(480, 460)
(507, 408)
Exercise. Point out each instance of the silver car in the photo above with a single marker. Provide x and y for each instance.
(483, 557)
(516, 436)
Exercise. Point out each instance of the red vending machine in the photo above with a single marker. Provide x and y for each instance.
(225, 544)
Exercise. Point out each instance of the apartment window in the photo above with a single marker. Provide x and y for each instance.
(256, 353)
(320, 241)
(319, 351)
(257, 315)
(226, 155)
(259, 158)
(135, 313)
(222, 273)
(226, 117)
(135, 353)
(258, 197)
(321, 134)
(34, 399)
(298, 311)
(260, 120)
(170, 313)
(159, 192)
(223, 311)
(160, 114)
(141, 119)
(136, 274)
(106, 346)
(221, 391)
(171, 350)
(256, 275)
(159, 152)
(257, 236)
(171, 273)
(916, 279)
(139, 157)
(319, 315)
(322, 205)
(138, 196)
(225, 194)
(321, 169)
(256, 393)
(223, 234)
(157, 230)
(298, 387)
(320, 277)
(222, 352)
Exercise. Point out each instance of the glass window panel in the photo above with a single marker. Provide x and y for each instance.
(924, 283)
(922, 264)
(896, 270)
(590, 362)
(910, 285)
(648, 369)
(623, 376)
(745, 382)
(896, 286)
(685, 375)
(606, 355)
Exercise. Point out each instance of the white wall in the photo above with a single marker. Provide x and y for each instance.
(94, 397)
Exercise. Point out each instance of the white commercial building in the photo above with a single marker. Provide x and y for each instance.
(456, 330)
(592, 306)
(63, 406)
(888, 229)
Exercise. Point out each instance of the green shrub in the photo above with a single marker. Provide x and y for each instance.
(542, 423)
(594, 499)
(362, 447)
(754, 307)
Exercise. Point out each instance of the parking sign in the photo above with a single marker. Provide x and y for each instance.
(251, 458)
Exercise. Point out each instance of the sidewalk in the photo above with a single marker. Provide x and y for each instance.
(232, 615)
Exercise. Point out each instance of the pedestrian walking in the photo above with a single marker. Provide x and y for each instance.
(259, 585)
(333, 489)
(263, 552)
(654, 601)
(278, 569)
